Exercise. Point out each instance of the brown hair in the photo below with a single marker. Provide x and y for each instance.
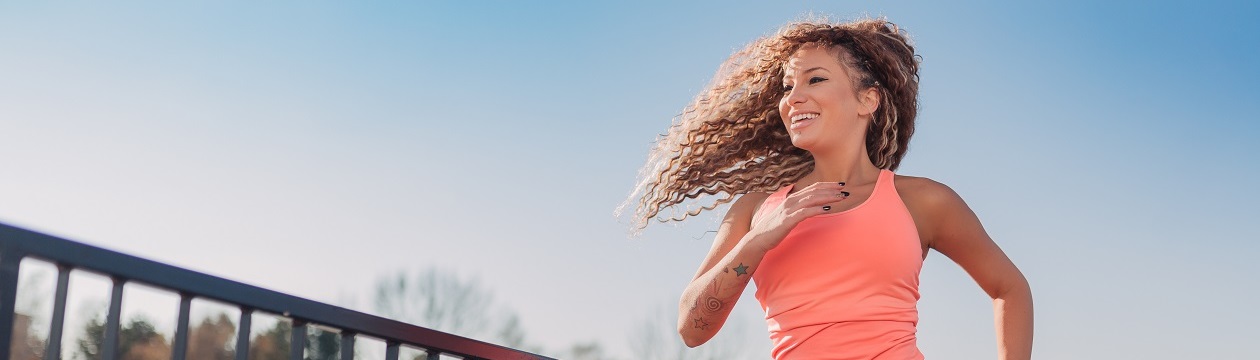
(731, 140)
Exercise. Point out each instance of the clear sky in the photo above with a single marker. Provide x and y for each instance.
(1109, 149)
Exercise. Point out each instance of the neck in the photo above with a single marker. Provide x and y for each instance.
(852, 166)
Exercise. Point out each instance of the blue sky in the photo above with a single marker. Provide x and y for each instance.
(312, 147)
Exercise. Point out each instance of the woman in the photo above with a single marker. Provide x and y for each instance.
(806, 127)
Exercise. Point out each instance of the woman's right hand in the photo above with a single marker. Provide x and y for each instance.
(775, 224)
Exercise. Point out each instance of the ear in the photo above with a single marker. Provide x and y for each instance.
(868, 100)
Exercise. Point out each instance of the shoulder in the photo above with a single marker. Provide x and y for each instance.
(930, 202)
(925, 191)
(747, 204)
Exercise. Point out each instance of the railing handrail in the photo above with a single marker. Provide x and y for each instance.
(16, 243)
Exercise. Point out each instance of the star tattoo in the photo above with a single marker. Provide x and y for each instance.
(741, 269)
(701, 324)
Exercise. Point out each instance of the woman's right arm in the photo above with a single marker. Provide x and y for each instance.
(737, 251)
(725, 273)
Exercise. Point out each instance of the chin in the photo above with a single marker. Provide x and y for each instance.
(807, 143)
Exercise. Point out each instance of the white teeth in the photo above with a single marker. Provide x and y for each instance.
(805, 116)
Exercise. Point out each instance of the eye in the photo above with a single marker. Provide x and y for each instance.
(817, 79)
(787, 88)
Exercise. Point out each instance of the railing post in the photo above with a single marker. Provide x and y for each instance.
(113, 322)
(297, 340)
(180, 349)
(9, 265)
(347, 345)
(242, 334)
(391, 350)
(53, 350)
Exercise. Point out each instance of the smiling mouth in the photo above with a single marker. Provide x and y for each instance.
(803, 117)
(802, 120)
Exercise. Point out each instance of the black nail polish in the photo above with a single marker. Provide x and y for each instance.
(827, 208)
(845, 193)
(841, 183)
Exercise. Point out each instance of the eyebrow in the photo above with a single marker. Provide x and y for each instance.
(807, 71)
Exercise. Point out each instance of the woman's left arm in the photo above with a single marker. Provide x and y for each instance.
(956, 233)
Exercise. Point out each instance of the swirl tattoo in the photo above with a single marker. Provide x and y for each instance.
(712, 305)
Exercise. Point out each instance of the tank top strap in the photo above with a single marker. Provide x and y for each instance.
(884, 193)
(771, 201)
(885, 181)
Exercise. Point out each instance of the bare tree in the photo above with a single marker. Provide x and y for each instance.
(443, 301)
(212, 339)
(656, 337)
(25, 346)
(137, 340)
(586, 351)
(272, 344)
(30, 310)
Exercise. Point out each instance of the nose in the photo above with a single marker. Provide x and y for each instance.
(795, 97)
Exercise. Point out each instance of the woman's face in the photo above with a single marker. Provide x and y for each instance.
(819, 106)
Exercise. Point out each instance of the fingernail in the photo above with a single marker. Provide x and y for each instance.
(841, 183)
(845, 193)
(827, 208)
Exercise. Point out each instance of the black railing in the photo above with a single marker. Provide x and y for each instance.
(17, 244)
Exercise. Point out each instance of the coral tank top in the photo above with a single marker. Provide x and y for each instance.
(844, 285)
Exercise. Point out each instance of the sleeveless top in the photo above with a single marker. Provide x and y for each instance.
(844, 285)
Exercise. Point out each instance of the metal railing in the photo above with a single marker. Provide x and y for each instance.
(17, 244)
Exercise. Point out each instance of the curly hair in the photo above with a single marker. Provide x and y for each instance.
(730, 139)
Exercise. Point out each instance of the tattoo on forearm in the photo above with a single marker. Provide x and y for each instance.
(709, 304)
(701, 324)
(712, 305)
